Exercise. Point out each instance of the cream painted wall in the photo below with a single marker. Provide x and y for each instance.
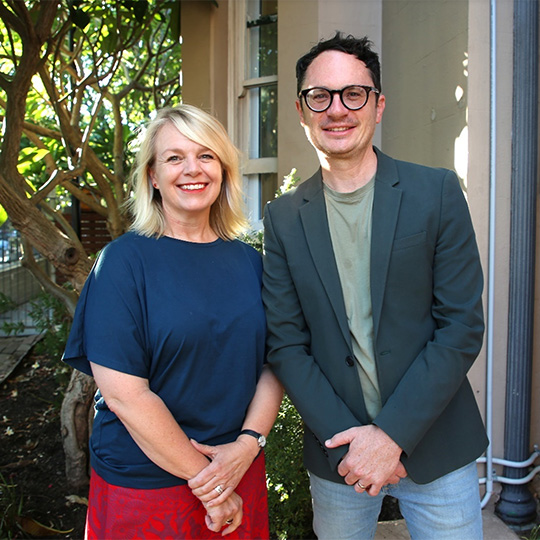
(204, 30)
(424, 49)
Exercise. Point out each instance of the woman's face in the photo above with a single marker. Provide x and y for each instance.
(188, 175)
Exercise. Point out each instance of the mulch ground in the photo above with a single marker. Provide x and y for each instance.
(35, 498)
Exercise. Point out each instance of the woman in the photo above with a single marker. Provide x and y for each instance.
(171, 325)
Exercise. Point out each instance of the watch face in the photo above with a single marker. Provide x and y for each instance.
(262, 441)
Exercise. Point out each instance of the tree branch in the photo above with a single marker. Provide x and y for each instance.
(69, 298)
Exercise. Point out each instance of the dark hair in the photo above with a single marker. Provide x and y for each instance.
(359, 47)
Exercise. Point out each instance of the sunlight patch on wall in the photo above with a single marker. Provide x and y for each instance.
(461, 155)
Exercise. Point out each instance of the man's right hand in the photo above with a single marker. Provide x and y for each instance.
(372, 460)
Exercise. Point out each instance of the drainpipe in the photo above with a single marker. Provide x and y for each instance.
(516, 505)
(491, 246)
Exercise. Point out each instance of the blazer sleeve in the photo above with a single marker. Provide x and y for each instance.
(289, 355)
(439, 370)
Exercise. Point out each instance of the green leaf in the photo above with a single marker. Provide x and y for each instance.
(30, 155)
(138, 7)
(3, 215)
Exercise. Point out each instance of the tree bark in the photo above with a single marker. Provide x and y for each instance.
(76, 427)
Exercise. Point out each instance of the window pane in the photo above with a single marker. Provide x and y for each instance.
(263, 120)
(259, 189)
(262, 38)
(268, 121)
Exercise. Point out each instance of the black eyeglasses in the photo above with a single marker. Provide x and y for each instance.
(353, 97)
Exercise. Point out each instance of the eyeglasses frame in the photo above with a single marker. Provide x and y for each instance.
(368, 89)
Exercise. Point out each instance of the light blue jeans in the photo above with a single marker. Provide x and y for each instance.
(446, 509)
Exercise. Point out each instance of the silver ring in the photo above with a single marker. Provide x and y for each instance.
(360, 485)
(219, 489)
(229, 521)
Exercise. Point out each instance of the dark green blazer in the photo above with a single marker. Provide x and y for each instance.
(426, 287)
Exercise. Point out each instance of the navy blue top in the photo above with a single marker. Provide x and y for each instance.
(189, 318)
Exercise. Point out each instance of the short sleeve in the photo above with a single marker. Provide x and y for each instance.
(109, 323)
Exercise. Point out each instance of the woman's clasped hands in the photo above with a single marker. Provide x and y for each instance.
(215, 485)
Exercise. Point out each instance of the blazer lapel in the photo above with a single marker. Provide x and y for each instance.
(386, 203)
(317, 232)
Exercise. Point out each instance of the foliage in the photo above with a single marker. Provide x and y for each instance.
(6, 303)
(108, 69)
(289, 498)
(289, 182)
(10, 328)
(10, 509)
(13, 328)
(534, 534)
(254, 239)
(53, 321)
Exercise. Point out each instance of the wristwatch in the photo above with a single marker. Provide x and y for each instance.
(261, 439)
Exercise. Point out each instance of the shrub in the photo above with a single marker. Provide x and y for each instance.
(289, 498)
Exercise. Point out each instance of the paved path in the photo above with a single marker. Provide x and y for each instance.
(12, 350)
(494, 528)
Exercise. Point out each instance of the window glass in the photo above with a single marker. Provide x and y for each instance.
(260, 102)
(262, 38)
(259, 189)
(263, 120)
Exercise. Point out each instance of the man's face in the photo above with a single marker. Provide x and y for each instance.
(338, 132)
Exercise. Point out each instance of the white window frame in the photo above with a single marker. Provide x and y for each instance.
(243, 113)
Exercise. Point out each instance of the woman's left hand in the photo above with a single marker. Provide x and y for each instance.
(216, 482)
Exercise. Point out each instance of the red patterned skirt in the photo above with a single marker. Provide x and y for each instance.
(173, 513)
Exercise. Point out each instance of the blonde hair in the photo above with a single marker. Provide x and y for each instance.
(227, 217)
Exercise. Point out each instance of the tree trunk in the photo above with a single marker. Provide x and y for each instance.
(76, 428)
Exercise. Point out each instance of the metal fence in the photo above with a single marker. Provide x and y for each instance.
(10, 244)
(18, 287)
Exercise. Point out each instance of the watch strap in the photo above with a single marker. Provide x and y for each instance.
(261, 439)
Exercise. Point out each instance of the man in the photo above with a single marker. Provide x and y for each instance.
(372, 286)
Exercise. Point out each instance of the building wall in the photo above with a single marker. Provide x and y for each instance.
(425, 80)
(204, 30)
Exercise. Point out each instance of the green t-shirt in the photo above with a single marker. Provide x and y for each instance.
(349, 217)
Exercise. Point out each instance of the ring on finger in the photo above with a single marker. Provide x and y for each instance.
(229, 521)
(360, 485)
(219, 489)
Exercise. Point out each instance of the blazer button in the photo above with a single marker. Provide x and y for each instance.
(350, 361)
